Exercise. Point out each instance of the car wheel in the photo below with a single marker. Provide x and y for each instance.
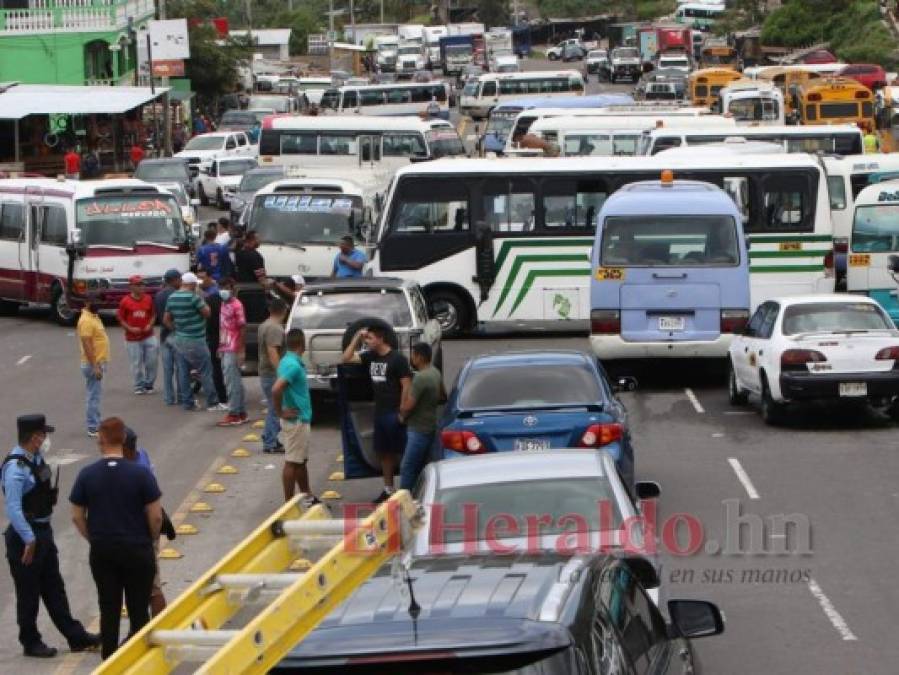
(8, 308)
(220, 199)
(772, 411)
(201, 193)
(735, 395)
(60, 309)
(449, 310)
(552, 57)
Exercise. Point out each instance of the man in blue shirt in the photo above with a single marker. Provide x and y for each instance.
(211, 256)
(30, 550)
(349, 261)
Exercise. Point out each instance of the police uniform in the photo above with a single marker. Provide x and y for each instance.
(30, 496)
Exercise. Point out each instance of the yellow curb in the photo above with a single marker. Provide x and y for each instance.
(300, 565)
(170, 554)
(259, 424)
(200, 507)
(186, 528)
(240, 452)
(337, 475)
(227, 469)
(331, 494)
(250, 437)
(214, 487)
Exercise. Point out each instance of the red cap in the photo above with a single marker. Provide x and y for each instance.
(135, 279)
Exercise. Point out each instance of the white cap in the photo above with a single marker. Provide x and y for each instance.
(189, 278)
(298, 279)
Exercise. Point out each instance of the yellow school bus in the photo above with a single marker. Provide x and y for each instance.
(833, 100)
(886, 109)
(788, 79)
(707, 82)
(719, 56)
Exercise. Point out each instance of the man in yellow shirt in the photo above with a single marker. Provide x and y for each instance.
(94, 345)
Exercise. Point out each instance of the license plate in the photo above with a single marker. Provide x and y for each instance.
(853, 389)
(531, 444)
(672, 323)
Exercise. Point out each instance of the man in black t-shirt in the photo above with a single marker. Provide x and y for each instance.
(249, 261)
(115, 506)
(391, 377)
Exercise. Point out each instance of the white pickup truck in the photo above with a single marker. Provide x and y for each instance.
(216, 177)
(555, 53)
(204, 148)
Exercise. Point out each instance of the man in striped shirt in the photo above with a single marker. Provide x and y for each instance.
(186, 314)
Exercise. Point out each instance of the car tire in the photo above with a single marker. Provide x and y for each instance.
(449, 310)
(552, 57)
(220, 199)
(772, 411)
(735, 395)
(201, 195)
(8, 308)
(60, 310)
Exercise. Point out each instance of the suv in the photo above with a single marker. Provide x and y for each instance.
(165, 171)
(625, 64)
(219, 179)
(555, 53)
(516, 614)
(204, 148)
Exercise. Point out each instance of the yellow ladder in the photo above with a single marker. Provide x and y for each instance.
(258, 571)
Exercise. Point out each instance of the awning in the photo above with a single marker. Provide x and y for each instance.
(181, 96)
(38, 99)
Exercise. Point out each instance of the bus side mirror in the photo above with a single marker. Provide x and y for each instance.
(893, 264)
(75, 247)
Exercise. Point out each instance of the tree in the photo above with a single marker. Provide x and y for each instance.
(212, 67)
(493, 12)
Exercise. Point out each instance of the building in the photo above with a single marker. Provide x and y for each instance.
(273, 43)
(71, 42)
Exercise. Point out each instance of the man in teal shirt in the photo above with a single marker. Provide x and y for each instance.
(293, 405)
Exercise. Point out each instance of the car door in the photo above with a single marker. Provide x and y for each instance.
(765, 357)
(210, 178)
(15, 254)
(739, 351)
(231, 145)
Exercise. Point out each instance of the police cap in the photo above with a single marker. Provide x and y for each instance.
(28, 424)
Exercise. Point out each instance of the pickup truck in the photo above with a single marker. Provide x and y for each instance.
(220, 178)
(555, 53)
(204, 148)
(626, 64)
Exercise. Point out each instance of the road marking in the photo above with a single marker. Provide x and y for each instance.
(23, 360)
(830, 612)
(739, 412)
(743, 477)
(695, 401)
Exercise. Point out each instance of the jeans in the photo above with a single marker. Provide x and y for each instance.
(142, 357)
(170, 364)
(233, 383)
(94, 389)
(118, 568)
(418, 450)
(218, 378)
(272, 423)
(194, 355)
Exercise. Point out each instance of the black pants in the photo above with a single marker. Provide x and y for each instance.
(122, 567)
(218, 378)
(38, 581)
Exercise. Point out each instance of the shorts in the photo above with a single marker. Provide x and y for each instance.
(295, 437)
(390, 434)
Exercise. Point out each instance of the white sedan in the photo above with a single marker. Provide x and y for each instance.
(816, 347)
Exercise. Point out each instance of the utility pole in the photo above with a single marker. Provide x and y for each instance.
(166, 99)
(382, 11)
(330, 34)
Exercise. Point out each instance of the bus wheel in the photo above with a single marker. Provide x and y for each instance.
(449, 310)
(62, 313)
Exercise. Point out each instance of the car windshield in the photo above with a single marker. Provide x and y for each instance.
(529, 386)
(237, 119)
(627, 53)
(205, 143)
(834, 317)
(252, 181)
(154, 171)
(876, 229)
(299, 219)
(669, 241)
(124, 221)
(279, 104)
(445, 143)
(471, 88)
(236, 168)
(458, 50)
(410, 50)
(561, 504)
(319, 310)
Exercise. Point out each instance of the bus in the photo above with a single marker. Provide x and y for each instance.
(60, 239)
(506, 242)
(833, 100)
(752, 102)
(334, 144)
(788, 79)
(480, 96)
(502, 117)
(886, 112)
(840, 139)
(669, 272)
(699, 15)
(718, 56)
(874, 238)
(408, 98)
(705, 84)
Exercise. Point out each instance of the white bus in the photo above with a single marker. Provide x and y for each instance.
(755, 102)
(506, 243)
(409, 98)
(842, 139)
(480, 96)
(60, 239)
(698, 14)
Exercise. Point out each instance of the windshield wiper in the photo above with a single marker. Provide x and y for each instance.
(118, 247)
(289, 244)
(174, 247)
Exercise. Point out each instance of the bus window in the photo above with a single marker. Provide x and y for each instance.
(337, 144)
(508, 205)
(12, 221)
(587, 145)
(404, 145)
(669, 241)
(575, 85)
(298, 143)
(399, 96)
(371, 97)
(833, 110)
(331, 99)
(572, 204)
(810, 145)
(664, 143)
(858, 181)
(867, 109)
(431, 205)
(848, 144)
(350, 100)
(786, 205)
(625, 146)
(738, 189)
(522, 126)
(811, 112)
(489, 89)
(836, 188)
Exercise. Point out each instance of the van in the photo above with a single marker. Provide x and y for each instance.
(670, 272)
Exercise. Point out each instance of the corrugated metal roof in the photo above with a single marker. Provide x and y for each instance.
(271, 36)
(39, 99)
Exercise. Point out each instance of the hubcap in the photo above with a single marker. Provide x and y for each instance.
(446, 314)
(63, 311)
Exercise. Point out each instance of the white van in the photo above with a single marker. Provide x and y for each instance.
(60, 239)
(480, 96)
(755, 102)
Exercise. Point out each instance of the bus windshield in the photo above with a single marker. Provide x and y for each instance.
(129, 220)
(501, 121)
(295, 219)
(876, 229)
(279, 104)
(753, 110)
(445, 143)
(669, 241)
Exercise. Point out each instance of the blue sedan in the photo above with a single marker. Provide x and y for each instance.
(535, 401)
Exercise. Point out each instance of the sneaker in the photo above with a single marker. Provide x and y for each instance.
(244, 418)
(40, 651)
(218, 407)
(193, 407)
(139, 391)
(88, 642)
(93, 433)
(274, 450)
(383, 497)
(149, 390)
(309, 501)
(228, 421)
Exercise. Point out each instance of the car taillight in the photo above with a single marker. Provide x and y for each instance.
(828, 264)
(462, 441)
(840, 245)
(734, 320)
(796, 359)
(888, 354)
(605, 322)
(598, 435)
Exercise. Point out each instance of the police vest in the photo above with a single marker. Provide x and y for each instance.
(40, 500)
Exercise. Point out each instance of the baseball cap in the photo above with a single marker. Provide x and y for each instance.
(189, 278)
(135, 279)
(172, 274)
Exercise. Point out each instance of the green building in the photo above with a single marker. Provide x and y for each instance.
(72, 42)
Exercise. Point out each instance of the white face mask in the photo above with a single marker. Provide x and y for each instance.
(45, 446)
(225, 295)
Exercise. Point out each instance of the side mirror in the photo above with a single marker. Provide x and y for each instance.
(695, 618)
(893, 264)
(648, 489)
(625, 384)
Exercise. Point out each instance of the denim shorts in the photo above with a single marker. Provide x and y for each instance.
(390, 434)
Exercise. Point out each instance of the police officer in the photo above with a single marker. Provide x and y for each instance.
(33, 558)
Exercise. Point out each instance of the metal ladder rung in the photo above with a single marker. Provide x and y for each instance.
(320, 527)
(257, 580)
(192, 638)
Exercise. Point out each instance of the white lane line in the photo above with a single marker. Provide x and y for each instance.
(23, 359)
(695, 401)
(830, 612)
(743, 477)
(739, 412)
